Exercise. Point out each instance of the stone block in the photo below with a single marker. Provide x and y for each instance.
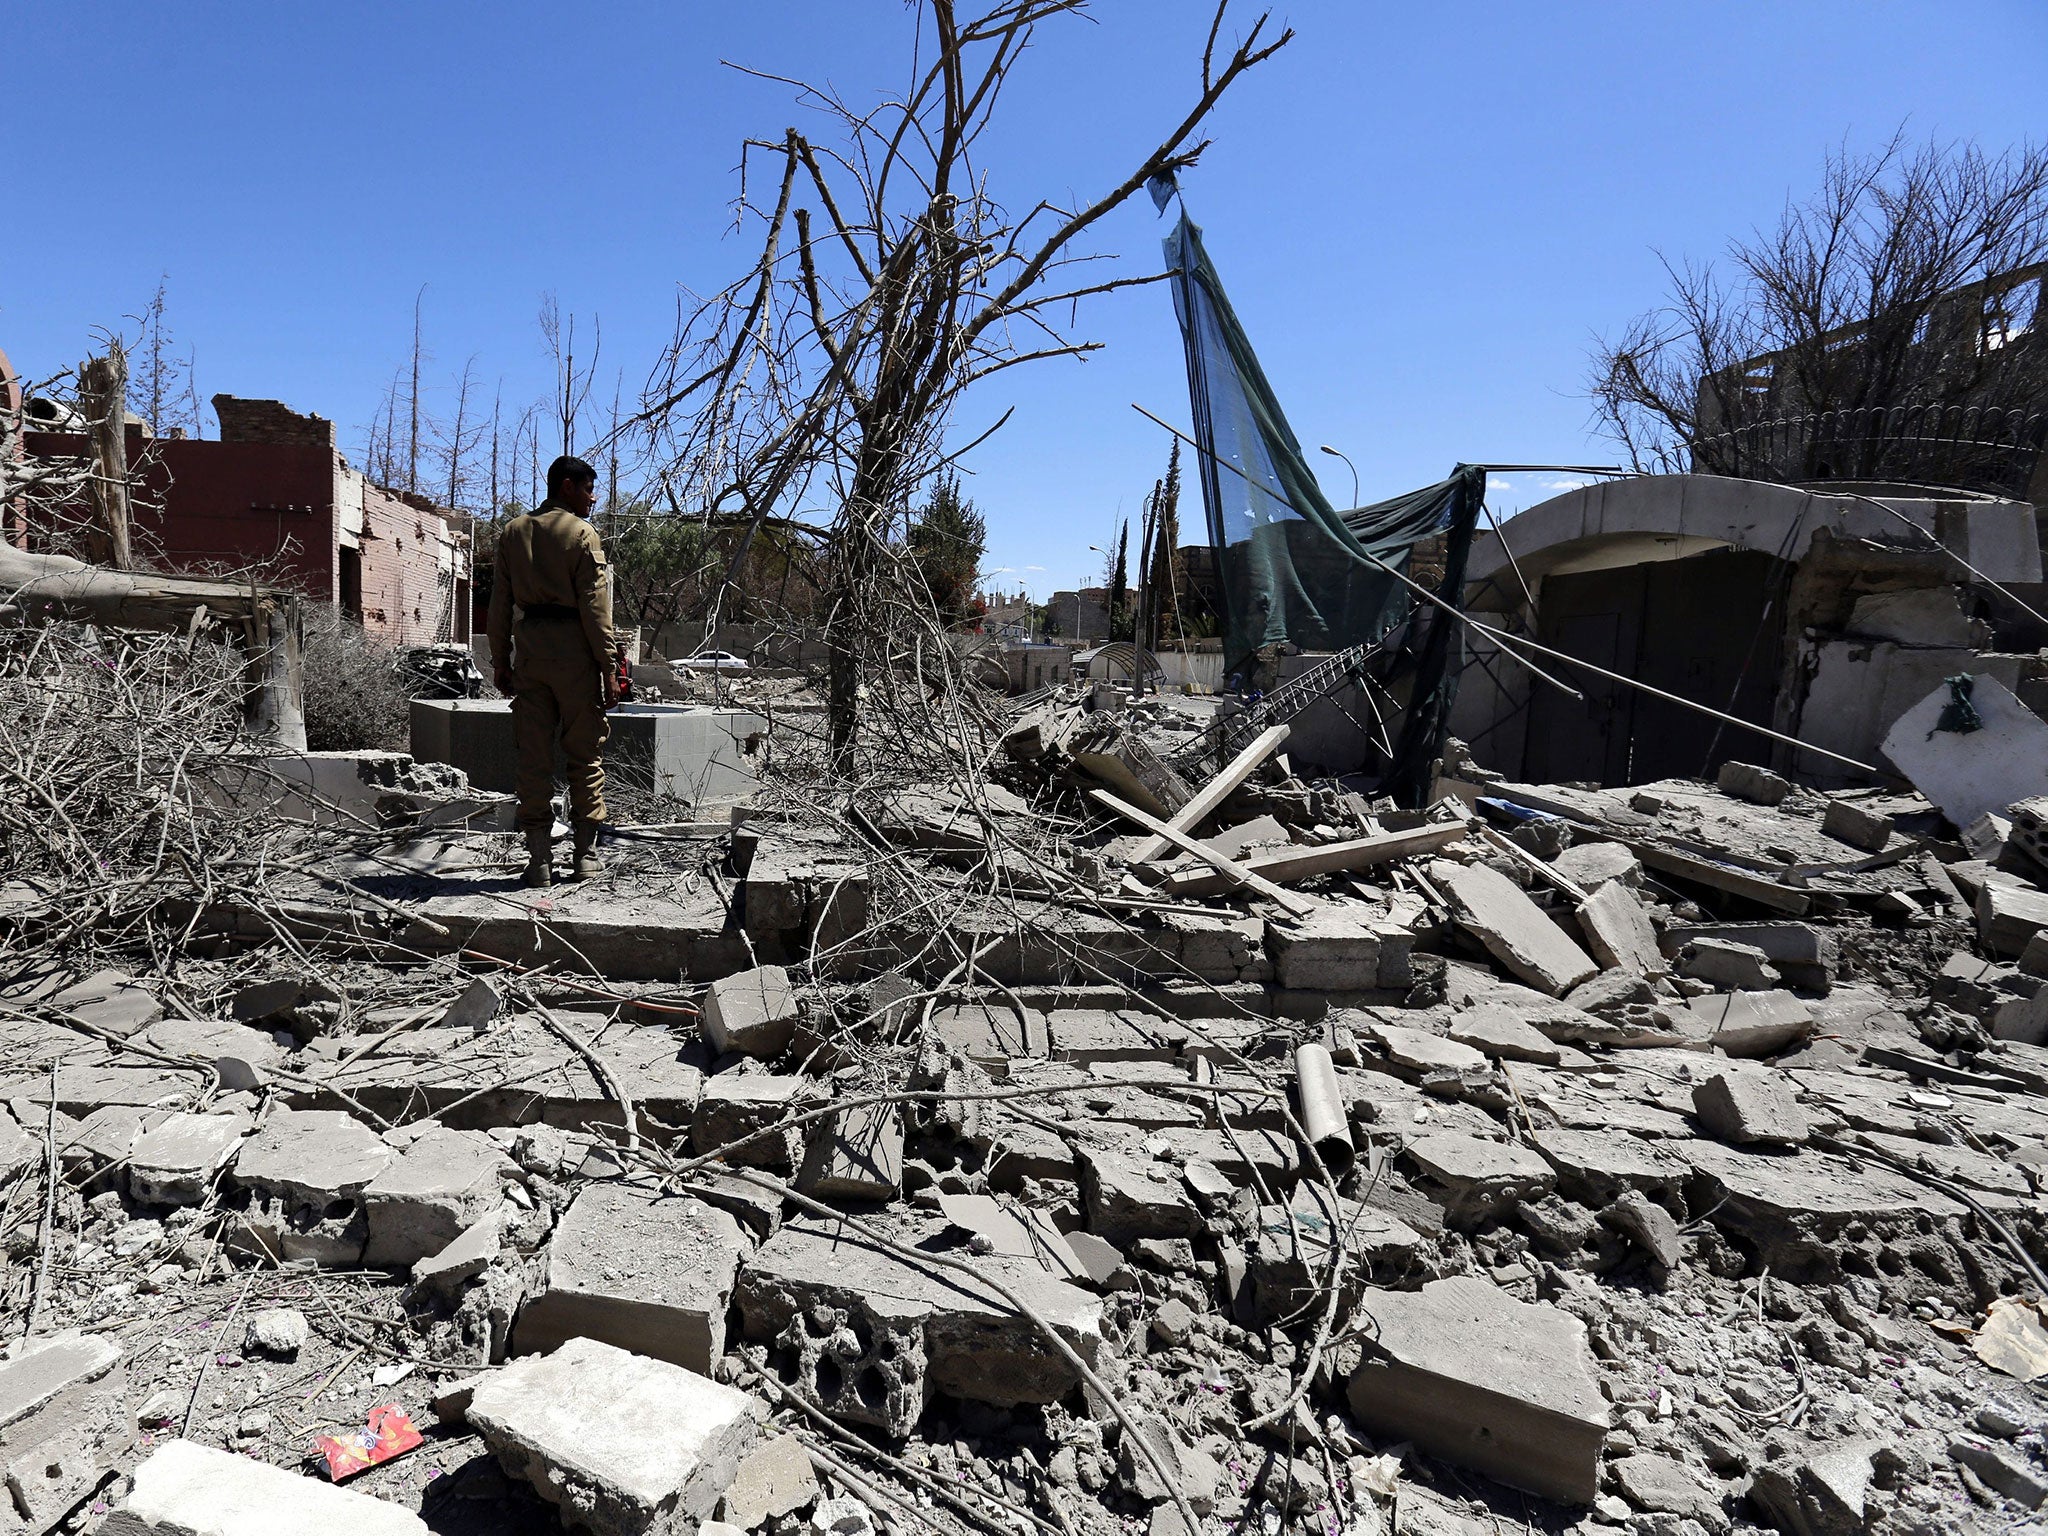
(1501, 1033)
(1130, 1197)
(174, 1163)
(1747, 781)
(1618, 930)
(1662, 1485)
(1469, 1374)
(639, 1269)
(867, 1336)
(1335, 948)
(620, 1444)
(1289, 1263)
(1724, 963)
(1804, 955)
(1515, 931)
(1591, 865)
(854, 1154)
(2008, 916)
(1473, 1178)
(1752, 1024)
(439, 1187)
(185, 1489)
(1754, 1106)
(306, 1172)
(65, 1424)
(754, 1012)
(1847, 821)
(735, 1105)
(774, 1479)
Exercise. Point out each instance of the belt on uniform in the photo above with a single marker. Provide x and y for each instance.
(553, 613)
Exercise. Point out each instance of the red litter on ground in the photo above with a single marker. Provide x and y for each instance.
(390, 1433)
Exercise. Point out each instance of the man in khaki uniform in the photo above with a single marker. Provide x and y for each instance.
(551, 564)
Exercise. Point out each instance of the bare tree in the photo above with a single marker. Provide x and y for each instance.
(889, 279)
(1908, 283)
(457, 439)
(161, 386)
(412, 399)
(572, 386)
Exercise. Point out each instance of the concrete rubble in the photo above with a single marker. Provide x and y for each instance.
(938, 1151)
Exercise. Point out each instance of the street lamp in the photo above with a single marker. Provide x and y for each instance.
(1333, 453)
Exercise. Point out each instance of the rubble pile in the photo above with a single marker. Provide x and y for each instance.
(1103, 1138)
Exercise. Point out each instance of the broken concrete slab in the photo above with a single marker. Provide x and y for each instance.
(1820, 1495)
(866, 1336)
(306, 1171)
(1416, 1052)
(1500, 1033)
(1757, 1106)
(1662, 1485)
(1515, 931)
(991, 1034)
(1089, 1036)
(175, 1162)
(638, 1269)
(439, 1187)
(1504, 1387)
(1597, 1167)
(574, 1425)
(65, 1424)
(854, 1154)
(754, 1012)
(774, 1479)
(1652, 1228)
(1619, 932)
(1473, 1179)
(111, 1003)
(465, 1258)
(186, 1489)
(1752, 1024)
(243, 1057)
(1967, 773)
(1015, 1231)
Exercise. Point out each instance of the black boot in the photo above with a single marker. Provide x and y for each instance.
(587, 865)
(540, 843)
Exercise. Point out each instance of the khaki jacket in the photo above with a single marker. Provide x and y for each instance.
(551, 555)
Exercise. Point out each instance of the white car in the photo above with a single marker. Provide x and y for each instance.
(711, 661)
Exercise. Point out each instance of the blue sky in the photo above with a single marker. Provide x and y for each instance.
(1424, 214)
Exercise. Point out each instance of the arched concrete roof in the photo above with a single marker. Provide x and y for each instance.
(1665, 517)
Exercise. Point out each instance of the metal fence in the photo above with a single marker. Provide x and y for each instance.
(1989, 449)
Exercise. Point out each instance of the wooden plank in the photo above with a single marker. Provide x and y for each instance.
(1216, 791)
(1328, 859)
(1541, 868)
(1236, 874)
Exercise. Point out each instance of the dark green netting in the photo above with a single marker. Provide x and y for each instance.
(1293, 569)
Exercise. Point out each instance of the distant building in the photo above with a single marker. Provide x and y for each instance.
(275, 493)
(1959, 398)
(1082, 615)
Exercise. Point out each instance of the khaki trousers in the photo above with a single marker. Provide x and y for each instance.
(557, 688)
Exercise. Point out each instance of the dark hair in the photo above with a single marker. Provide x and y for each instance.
(568, 468)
